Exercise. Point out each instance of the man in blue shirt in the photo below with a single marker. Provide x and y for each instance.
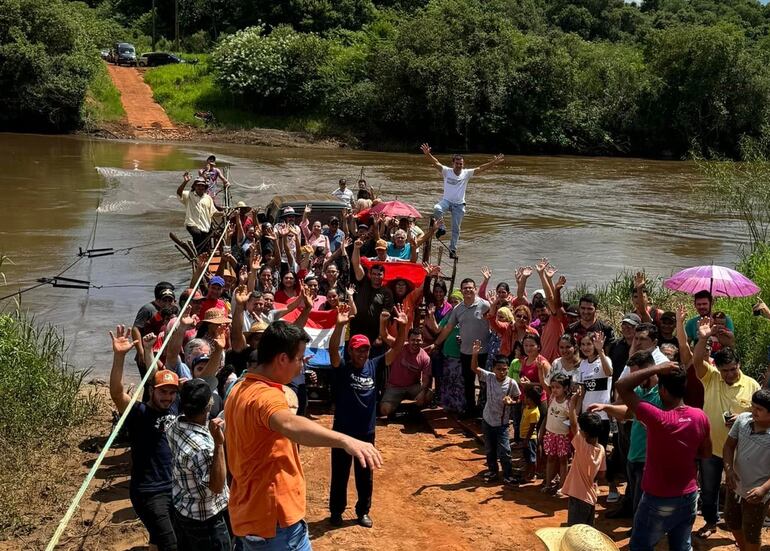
(354, 412)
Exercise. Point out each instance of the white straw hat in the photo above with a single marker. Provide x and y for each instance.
(579, 537)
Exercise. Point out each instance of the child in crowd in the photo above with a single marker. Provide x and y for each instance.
(555, 434)
(746, 457)
(502, 391)
(530, 418)
(588, 463)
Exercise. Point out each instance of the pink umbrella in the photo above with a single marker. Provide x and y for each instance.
(396, 209)
(718, 280)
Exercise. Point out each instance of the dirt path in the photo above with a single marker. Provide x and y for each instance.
(144, 115)
(427, 496)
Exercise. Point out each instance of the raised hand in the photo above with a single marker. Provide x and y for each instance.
(188, 320)
(308, 209)
(550, 271)
(255, 261)
(541, 265)
(681, 312)
(149, 339)
(492, 296)
(425, 148)
(639, 280)
(243, 275)
(358, 244)
(486, 273)
(186, 177)
(217, 430)
(241, 295)
(498, 158)
(598, 340)
(121, 340)
(526, 271)
(575, 398)
(667, 367)
(350, 291)
(705, 330)
(343, 314)
(476, 347)
(220, 340)
(401, 316)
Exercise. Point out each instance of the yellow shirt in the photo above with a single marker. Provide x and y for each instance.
(719, 397)
(199, 210)
(529, 417)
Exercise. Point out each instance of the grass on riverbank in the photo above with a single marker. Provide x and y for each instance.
(184, 89)
(42, 401)
(102, 101)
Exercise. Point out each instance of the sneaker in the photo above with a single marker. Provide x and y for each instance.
(335, 520)
(489, 476)
(440, 232)
(613, 497)
(365, 521)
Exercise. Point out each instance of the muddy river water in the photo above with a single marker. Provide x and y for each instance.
(590, 216)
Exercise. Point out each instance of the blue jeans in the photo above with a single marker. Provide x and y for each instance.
(659, 516)
(291, 538)
(498, 447)
(710, 480)
(458, 211)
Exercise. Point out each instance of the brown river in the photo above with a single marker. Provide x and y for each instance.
(590, 216)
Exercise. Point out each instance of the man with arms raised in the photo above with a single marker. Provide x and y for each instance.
(354, 412)
(267, 494)
(150, 486)
(455, 182)
(676, 436)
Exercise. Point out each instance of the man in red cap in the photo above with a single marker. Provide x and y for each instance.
(151, 463)
(355, 411)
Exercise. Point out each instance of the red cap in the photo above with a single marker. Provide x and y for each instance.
(164, 377)
(359, 341)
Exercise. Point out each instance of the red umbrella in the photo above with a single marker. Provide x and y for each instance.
(396, 209)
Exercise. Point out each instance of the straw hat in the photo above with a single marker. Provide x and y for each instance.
(579, 537)
(258, 326)
(216, 316)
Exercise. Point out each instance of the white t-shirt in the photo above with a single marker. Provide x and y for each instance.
(346, 195)
(199, 210)
(557, 421)
(454, 185)
(558, 367)
(657, 355)
(596, 384)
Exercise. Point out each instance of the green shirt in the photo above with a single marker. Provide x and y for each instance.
(637, 449)
(451, 348)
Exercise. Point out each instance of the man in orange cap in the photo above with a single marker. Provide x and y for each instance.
(151, 464)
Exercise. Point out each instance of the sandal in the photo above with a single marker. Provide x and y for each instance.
(706, 531)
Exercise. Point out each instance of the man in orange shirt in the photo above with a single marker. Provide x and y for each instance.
(267, 494)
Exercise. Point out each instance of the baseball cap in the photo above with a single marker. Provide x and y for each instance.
(164, 377)
(363, 227)
(199, 360)
(359, 341)
(216, 280)
(195, 394)
(668, 316)
(167, 293)
(381, 244)
(632, 319)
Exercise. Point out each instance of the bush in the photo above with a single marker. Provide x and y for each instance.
(103, 102)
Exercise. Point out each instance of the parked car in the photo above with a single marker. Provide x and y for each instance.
(156, 59)
(123, 53)
(105, 54)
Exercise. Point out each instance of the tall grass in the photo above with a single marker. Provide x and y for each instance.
(184, 89)
(103, 102)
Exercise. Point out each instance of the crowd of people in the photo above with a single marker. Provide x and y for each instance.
(659, 401)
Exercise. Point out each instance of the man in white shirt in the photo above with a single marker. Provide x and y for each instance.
(200, 210)
(343, 192)
(455, 183)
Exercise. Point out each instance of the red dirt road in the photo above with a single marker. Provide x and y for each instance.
(142, 112)
(427, 496)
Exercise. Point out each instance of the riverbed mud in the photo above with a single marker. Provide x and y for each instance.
(427, 496)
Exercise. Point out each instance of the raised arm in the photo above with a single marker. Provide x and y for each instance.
(218, 471)
(642, 308)
(237, 338)
(475, 356)
(685, 352)
(575, 405)
(497, 159)
(700, 355)
(522, 275)
(403, 323)
(625, 385)
(121, 345)
(185, 180)
(343, 317)
(211, 367)
(420, 241)
(385, 336)
(425, 148)
(598, 341)
(355, 260)
(486, 275)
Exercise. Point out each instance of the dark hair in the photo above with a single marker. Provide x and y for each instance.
(591, 299)
(762, 398)
(703, 294)
(503, 285)
(456, 156)
(162, 286)
(650, 328)
(533, 337)
(296, 285)
(534, 393)
(675, 382)
(570, 338)
(363, 194)
(378, 267)
(590, 424)
(280, 338)
(500, 359)
(414, 331)
(169, 311)
(467, 280)
(266, 268)
(441, 285)
(539, 302)
(255, 295)
(719, 316)
(517, 344)
(635, 289)
(642, 360)
(725, 357)
(211, 158)
(562, 380)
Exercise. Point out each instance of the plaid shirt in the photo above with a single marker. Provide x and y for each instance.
(192, 450)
